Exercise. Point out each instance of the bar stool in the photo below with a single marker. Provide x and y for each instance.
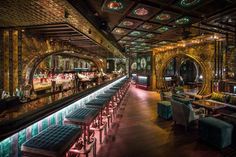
(116, 95)
(84, 117)
(55, 141)
(101, 105)
(112, 105)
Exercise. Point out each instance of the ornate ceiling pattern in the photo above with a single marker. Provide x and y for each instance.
(138, 26)
(42, 13)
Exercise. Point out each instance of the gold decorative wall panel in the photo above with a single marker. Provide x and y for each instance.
(15, 59)
(1, 61)
(203, 54)
(6, 59)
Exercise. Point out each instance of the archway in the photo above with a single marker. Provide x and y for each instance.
(185, 72)
(29, 70)
(201, 54)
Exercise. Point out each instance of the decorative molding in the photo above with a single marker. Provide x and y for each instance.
(196, 53)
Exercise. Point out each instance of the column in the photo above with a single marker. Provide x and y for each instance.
(11, 65)
(20, 81)
(1, 63)
(6, 60)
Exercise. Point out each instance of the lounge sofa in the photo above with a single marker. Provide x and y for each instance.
(224, 99)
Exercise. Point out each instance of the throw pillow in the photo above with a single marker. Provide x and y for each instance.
(218, 97)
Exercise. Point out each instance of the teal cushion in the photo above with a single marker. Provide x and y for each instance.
(83, 115)
(215, 131)
(98, 103)
(55, 139)
(164, 109)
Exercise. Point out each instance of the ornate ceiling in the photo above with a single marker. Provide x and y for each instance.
(140, 25)
(57, 20)
(107, 27)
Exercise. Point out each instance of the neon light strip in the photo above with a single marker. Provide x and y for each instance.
(11, 146)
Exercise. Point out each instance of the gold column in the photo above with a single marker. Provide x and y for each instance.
(1, 61)
(20, 81)
(153, 76)
(6, 59)
(15, 59)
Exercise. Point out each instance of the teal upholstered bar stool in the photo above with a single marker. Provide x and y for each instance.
(164, 109)
(102, 106)
(112, 105)
(215, 132)
(55, 141)
(84, 117)
(115, 92)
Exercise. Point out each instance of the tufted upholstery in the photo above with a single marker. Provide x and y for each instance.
(54, 141)
(107, 95)
(215, 131)
(83, 115)
(164, 109)
(111, 91)
(98, 103)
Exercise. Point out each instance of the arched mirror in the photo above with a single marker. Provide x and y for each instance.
(184, 72)
(60, 71)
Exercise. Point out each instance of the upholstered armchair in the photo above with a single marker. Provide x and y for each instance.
(184, 114)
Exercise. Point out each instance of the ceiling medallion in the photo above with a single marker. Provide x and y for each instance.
(163, 17)
(119, 31)
(140, 12)
(150, 35)
(135, 33)
(115, 5)
(122, 42)
(188, 3)
(163, 29)
(140, 40)
(147, 26)
(143, 44)
(127, 38)
(182, 21)
(128, 23)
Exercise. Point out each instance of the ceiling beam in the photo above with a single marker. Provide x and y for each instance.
(218, 27)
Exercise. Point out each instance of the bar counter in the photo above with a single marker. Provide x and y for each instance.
(30, 124)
